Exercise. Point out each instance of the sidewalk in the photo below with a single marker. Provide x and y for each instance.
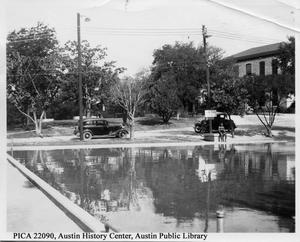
(179, 135)
(249, 128)
(29, 210)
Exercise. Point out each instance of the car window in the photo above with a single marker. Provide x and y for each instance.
(100, 122)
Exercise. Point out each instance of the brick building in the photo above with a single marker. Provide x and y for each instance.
(259, 60)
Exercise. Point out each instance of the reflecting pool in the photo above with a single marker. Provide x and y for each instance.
(167, 189)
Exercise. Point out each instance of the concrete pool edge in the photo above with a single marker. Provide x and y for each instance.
(83, 219)
(121, 145)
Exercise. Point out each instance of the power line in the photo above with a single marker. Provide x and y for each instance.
(156, 32)
(240, 39)
(241, 35)
(225, 35)
(53, 73)
(165, 34)
(162, 30)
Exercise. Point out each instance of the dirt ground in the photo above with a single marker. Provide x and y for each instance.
(249, 129)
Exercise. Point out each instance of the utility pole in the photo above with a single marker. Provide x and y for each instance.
(79, 78)
(205, 36)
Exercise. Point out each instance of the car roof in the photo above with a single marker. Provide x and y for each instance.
(219, 113)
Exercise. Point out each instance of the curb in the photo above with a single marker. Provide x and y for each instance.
(128, 145)
(83, 219)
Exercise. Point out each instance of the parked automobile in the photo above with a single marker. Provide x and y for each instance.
(93, 127)
(202, 126)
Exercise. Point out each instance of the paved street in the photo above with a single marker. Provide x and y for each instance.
(249, 129)
(29, 210)
(155, 136)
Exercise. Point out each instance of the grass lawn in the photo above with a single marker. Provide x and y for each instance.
(246, 126)
(66, 127)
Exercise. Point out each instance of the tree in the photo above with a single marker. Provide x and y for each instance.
(286, 57)
(162, 97)
(266, 94)
(230, 96)
(33, 78)
(129, 94)
(185, 64)
(228, 92)
(98, 75)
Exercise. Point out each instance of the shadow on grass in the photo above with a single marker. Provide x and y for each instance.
(291, 129)
(104, 137)
(182, 132)
(250, 133)
(152, 122)
(252, 130)
(22, 134)
(282, 136)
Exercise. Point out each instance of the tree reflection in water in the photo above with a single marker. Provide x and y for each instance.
(180, 182)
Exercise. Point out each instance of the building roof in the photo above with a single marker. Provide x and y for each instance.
(256, 52)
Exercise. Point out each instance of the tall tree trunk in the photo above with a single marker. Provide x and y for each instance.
(38, 130)
(38, 123)
(131, 130)
(27, 118)
(269, 131)
(88, 108)
(267, 126)
(124, 117)
(84, 112)
(178, 114)
(194, 109)
(131, 124)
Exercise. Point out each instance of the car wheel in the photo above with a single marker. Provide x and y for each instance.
(121, 134)
(87, 135)
(199, 129)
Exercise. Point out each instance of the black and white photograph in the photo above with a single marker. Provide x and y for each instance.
(149, 120)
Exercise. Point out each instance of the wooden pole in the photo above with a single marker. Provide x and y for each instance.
(79, 78)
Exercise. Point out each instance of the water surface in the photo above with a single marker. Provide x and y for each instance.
(167, 189)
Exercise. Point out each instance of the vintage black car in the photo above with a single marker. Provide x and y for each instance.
(93, 127)
(202, 126)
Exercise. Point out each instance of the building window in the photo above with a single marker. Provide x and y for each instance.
(248, 69)
(274, 67)
(262, 68)
(236, 70)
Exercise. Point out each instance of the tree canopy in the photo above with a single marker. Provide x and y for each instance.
(286, 57)
(33, 78)
(162, 97)
(129, 93)
(98, 75)
(185, 65)
(266, 94)
(42, 77)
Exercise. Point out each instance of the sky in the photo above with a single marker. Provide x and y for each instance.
(131, 30)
